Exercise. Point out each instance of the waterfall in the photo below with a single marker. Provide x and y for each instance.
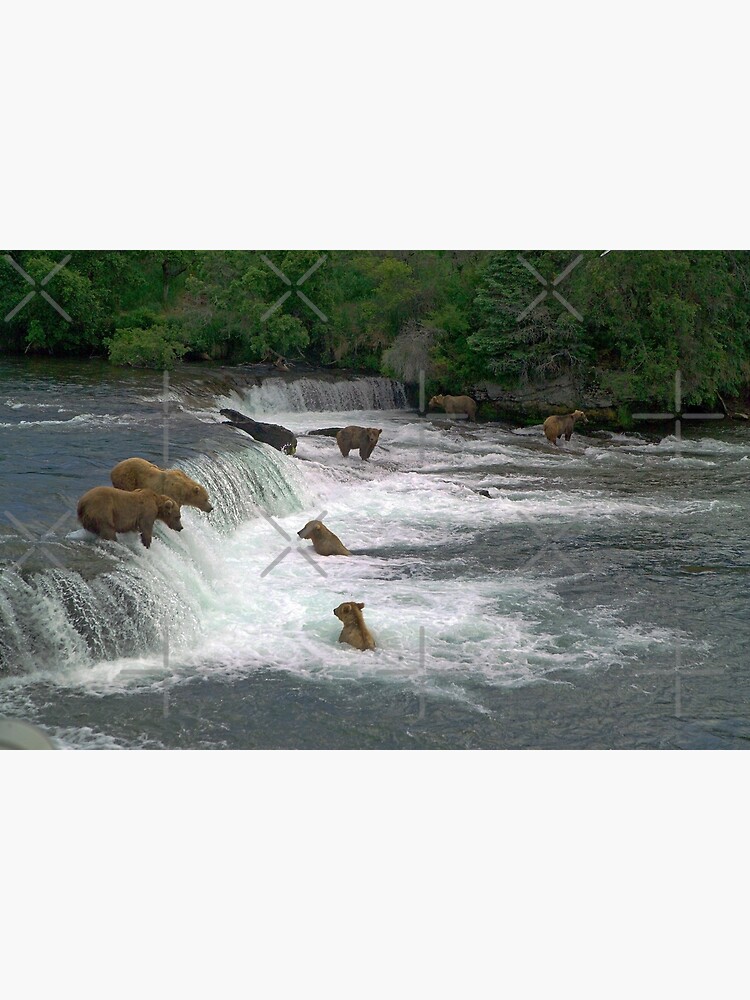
(277, 395)
(100, 601)
(52, 616)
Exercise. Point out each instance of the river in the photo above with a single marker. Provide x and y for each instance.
(521, 596)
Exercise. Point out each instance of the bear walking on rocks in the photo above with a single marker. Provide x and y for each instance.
(364, 438)
(556, 426)
(456, 404)
(105, 511)
(324, 541)
(138, 474)
(355, 632)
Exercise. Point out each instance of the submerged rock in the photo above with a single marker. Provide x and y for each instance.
(274, 434)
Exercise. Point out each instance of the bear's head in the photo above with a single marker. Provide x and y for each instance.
(373, 433)
(199, 499)
(169, 513)
(311, 529)
(437, 401)
(347, 612)
(580, 415)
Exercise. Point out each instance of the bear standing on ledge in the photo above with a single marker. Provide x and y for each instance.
(364, 438)
(105, 511)
(556, 426)
(138, 474)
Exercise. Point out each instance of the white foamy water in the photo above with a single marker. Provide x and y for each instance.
(463, 592)
(228, 613)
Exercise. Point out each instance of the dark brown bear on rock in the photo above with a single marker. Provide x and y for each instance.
(138, 474)
(556, 426)
(105, 511)
(364, 438)
(324, 541)
(355, 632)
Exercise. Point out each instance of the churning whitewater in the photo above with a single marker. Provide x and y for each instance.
(519, 595)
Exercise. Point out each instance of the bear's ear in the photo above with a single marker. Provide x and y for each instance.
(360, 606)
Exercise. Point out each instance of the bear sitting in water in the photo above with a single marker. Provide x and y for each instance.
(138, 474)
(556, 426)
(105, 511)
(355, 632)
(324, 541)
(456, 404)
(364, 438)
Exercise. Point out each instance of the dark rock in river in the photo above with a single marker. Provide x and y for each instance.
(274, 434)
(325, 432)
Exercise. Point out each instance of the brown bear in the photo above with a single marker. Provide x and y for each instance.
(456, 404)
(556, 426)
(138, 474)
(324, 541)
(355, 632)
(105, 511)
(364, 438)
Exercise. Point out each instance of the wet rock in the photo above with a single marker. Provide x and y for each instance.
(277, 436)
(325, 432)
(561, 394)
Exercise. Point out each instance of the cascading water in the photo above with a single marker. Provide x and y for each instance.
(520, 595)
(316, 395)
(120, 606)
(121, 602)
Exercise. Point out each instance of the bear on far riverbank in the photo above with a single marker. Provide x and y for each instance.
(456, 404)
(556, 426)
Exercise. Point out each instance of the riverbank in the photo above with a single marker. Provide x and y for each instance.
(519, 406)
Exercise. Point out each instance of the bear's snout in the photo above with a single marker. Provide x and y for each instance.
(208, 508)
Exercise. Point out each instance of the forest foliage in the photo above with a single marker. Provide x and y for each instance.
(621, 322)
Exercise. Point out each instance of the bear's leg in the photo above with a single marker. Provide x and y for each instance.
(567, 436)
(105, 531)
(146, 528)
(364, 452)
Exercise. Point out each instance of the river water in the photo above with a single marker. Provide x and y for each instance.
(590, 596)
